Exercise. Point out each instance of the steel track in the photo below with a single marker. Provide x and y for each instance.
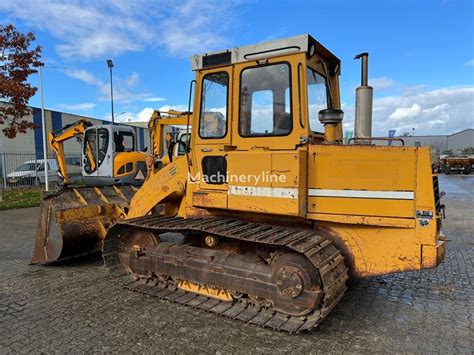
(320, 251)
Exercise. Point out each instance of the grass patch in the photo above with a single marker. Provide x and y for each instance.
(20, 198)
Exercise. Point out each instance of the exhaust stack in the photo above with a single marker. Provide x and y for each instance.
(364, 100)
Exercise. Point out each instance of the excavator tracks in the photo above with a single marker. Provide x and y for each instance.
(318, 250)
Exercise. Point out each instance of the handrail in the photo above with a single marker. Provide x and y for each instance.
(355, 139)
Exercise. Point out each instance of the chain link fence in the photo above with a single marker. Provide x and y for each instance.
(25, 170)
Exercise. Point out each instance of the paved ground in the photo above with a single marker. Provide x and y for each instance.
(77, 307)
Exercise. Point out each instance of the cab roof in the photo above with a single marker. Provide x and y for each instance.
(298, 44)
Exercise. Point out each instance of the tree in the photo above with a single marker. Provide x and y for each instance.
(17, 62)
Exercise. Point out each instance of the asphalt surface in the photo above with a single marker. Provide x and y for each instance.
(77, 307)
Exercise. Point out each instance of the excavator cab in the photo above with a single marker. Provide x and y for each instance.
(74, 220)
(110, 157)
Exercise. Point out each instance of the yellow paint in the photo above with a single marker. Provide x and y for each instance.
(210, 198)
(365, 220)
(123, 158)
(377, 236)
(209, 291)
(166, 184)
(56, 142)
(157, 124)
(371, 251)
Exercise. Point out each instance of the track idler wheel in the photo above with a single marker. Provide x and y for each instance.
(293, 274)
(134, 245)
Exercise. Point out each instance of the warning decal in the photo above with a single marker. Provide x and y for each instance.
(139, 175)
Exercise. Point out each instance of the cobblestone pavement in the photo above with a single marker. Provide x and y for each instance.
(77, 307)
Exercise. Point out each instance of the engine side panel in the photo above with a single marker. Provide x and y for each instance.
(377, 204)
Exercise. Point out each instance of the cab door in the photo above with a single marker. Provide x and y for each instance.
(212, 138)
(267, 168)
(105, 158)
(96, 152)
(89, 153)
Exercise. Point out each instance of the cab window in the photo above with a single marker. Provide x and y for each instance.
(213, 119)
(90, 142)
(183, 143)
(103, 145)
(265, 101)
(124, 141)
(317, 98)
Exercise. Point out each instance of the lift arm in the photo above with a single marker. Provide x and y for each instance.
(158, 122)
(57, 138)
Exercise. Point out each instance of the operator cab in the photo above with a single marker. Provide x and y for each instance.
(257, 110)
(101, 148)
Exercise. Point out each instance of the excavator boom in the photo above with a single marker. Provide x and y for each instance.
(74, 221)
(56, 141)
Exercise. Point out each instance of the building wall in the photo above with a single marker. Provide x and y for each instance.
(32, 141)
(461, 140)
(455, 142)
(438, 142)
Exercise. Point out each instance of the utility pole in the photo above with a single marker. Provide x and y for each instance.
(43, 126)
(110, 64)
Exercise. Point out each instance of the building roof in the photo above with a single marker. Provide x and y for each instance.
(438, 135)
(134, 124)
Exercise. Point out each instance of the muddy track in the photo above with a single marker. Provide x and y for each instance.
(318, 250)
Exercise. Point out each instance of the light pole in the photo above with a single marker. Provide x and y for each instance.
(43, 124)
(413, 131)
(110, 64)
(120, 114)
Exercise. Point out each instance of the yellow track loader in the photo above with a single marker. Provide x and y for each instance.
(273, 215)
(74, 220)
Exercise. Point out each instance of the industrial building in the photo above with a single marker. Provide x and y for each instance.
(32, 141)
(455, 142)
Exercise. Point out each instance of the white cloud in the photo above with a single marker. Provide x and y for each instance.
(440, 111)
(382, 83)
(144, 114)
(78, 107)
(86, 29)
(84, 76)
(121, 87)
(91, 29)
(182, 108)
(470, 63)
(403, 113)
(154, 99)
(133, 79)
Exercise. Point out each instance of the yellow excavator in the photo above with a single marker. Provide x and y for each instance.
(109, 154)
(73, 221)
(273, 215)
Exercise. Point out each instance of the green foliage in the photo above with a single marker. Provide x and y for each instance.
(17, 63)
(20, 198)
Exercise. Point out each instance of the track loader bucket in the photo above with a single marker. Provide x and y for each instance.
(74, 221)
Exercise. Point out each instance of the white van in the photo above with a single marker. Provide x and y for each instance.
(31, 173)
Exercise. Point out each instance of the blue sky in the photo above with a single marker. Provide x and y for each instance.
(421, 52)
